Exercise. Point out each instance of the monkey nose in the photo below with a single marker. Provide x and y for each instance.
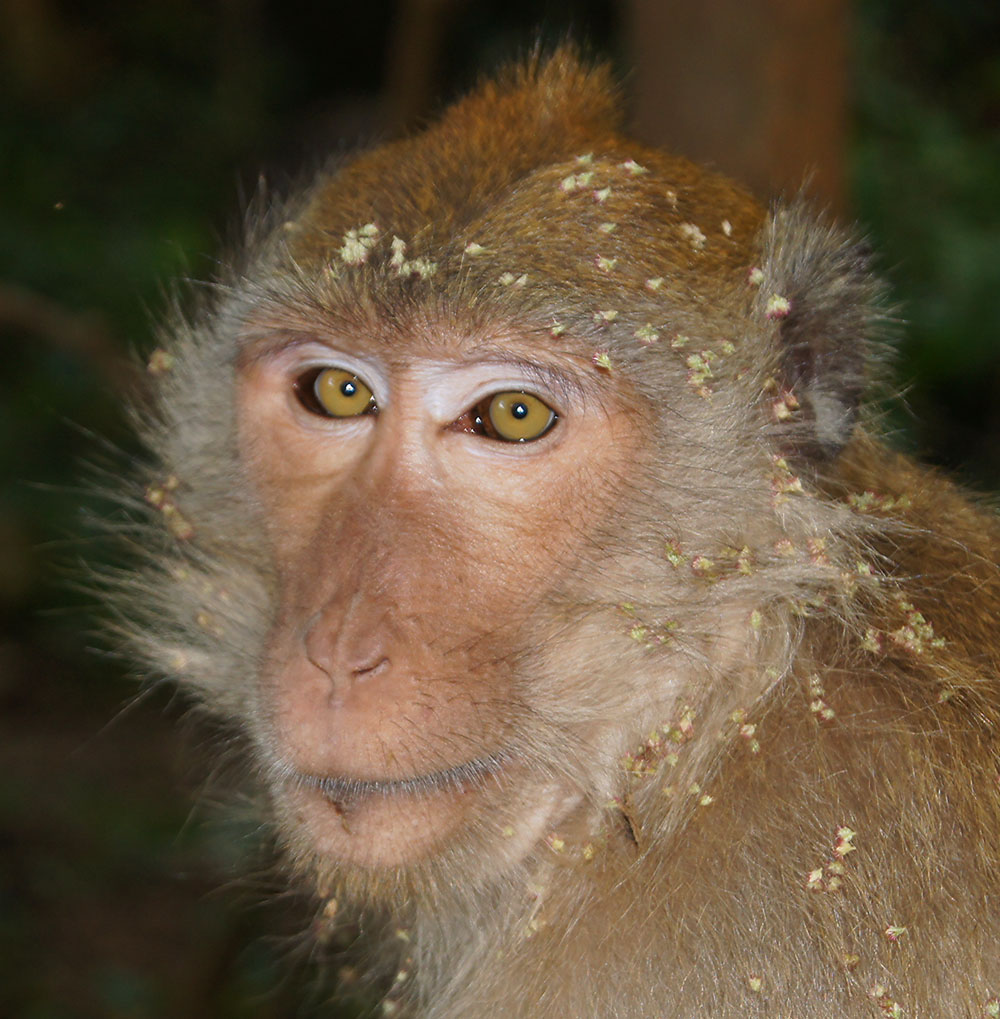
(347, 653)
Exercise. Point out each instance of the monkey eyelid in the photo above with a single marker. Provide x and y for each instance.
(556, 386)
(275, 345)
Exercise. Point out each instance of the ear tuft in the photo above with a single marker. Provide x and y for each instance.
(818, 287)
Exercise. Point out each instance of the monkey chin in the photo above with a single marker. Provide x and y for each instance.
(378, 825)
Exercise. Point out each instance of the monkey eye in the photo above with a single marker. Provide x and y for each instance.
(334, 392)
(511, 416)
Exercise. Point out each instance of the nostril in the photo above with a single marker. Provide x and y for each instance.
(349, 644)
(376, 667)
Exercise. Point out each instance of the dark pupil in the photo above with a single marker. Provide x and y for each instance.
(348, 388)
(520, 411)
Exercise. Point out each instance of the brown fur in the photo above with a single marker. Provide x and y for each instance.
(758, 648)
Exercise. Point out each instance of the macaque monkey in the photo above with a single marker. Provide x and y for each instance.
(513, 503)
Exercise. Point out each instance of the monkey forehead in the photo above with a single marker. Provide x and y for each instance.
(526, 187)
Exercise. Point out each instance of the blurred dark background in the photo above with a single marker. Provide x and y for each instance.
(129, 133)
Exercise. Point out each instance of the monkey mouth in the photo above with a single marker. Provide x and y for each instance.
(341, 789)
(379, 823)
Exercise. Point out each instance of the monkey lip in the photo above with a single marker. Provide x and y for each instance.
(343, 789)
(389, 822)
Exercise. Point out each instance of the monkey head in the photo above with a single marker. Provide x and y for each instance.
(484, 463)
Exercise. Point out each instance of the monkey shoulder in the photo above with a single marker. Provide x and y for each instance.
(870, 790)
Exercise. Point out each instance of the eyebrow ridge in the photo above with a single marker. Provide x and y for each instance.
(562, 382)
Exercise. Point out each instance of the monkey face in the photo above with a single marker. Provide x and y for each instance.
(418, 511)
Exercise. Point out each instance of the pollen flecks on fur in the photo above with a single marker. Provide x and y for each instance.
(828, 878)
(634, 169)
(652, 634)
(210, 623)
(694, 235)
(755, 983)
(879, 993)
(576, 182)
(158, 494)
(814, 880)
(893, 932)
(601, 195)
(727, 228)
(178, 660)
(161, 497)
(674, 553)
(602, 360)
(422, 267)
(844, 844)
(875, 502)
(777, 307)
(785, 548)
(398, 247)
(605, 264)
(661, 746)
(916, 634)
(817, 549)
(474, 248)
(509, 279)
(748, 733)
(784, 481)
(358, 244)
(699, 367)
(555, 843)
(817, 703)
(784, 406)
(738, 561)
(160, 362)
(705, 568)
(755, 276)
(605, 316)
(654, 283)
(647, 334)
(683, 730)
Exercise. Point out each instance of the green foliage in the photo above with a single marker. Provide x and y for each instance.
(926, 162)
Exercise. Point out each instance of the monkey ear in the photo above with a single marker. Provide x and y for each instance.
(816, 286)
